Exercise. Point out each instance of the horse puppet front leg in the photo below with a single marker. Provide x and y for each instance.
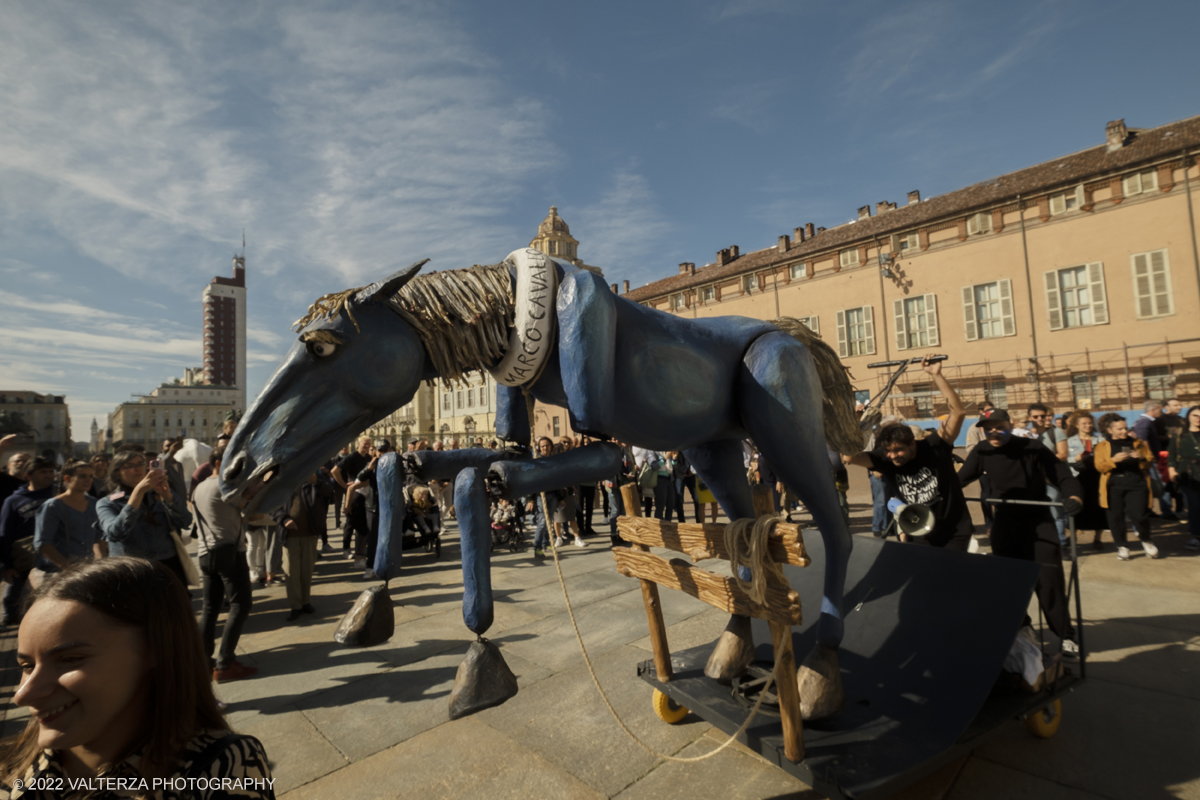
(484, 679)
(780, 399)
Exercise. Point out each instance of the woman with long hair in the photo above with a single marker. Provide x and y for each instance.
(1124, 464)
(67, 525)
(1183, 463)
(1082, 440)
(117, 687)
(137, 518)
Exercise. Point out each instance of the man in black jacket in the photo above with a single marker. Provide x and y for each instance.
(1019, 469)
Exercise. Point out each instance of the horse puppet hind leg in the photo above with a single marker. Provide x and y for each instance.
(720, 465)
(780, 399)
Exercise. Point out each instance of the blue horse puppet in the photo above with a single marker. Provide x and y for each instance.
(623, 371)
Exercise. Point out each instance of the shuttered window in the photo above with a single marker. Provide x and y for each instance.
(1067, 201)
(915, 321)
(812, 323)
(1075, 296)
(749, 283)
(848, 258)
(988, 310)
(979, 223)
(1139, 182)
(856, 332)
(710, 294)
(1152, 284)
(798, 270)
(677, 302)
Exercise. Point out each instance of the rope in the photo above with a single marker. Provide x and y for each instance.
(763, 563)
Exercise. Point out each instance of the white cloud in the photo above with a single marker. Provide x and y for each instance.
(623, 232)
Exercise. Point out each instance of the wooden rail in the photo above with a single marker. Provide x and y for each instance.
(701, 541)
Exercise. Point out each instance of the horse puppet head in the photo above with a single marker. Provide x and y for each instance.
(355, 362)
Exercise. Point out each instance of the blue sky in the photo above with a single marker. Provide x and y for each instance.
(137, 140)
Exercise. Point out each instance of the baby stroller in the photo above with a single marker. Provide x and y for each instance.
(507, 528)
(423, 519)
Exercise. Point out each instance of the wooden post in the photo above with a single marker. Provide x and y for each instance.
(631, 495)
(764, 499)
(788, 689)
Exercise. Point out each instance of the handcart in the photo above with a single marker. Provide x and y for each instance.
(926, 634)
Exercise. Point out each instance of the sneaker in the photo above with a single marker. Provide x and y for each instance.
(1193, 543)
(539, 552)
(1123, 553)
(558, 542)
(308, 609)
(580, 542)
(368, 574)
(234, 672)
(325, 548)
(1070, 649)
(345, 554)
(293, 616)
(360, 563)
(1150, 549)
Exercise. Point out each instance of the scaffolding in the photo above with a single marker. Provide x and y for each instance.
(1113, 378)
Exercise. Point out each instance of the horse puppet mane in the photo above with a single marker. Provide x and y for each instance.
(461, 316)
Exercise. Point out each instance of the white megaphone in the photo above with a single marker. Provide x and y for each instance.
(914, 519)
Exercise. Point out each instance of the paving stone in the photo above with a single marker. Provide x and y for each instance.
(466, 758)
(981, 779)
(298, 752)
(729, 774)
(1114, 741)
(1152, 657)
(702, 628)
(565, 720)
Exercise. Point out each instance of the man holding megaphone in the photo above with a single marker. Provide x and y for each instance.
(929, 505)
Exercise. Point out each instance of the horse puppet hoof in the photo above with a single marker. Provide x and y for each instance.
(483, 680)
(820, 679)
(734, 652)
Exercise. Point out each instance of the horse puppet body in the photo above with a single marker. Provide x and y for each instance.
(622, 370)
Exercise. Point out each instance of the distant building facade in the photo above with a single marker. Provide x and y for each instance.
(417, 418)
(1075, 282)
(48, 417)
(171, 410)
(224, 302)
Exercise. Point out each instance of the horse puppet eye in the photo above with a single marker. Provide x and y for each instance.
(322, 349)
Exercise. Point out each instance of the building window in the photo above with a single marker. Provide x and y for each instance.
(1158, 382)
(848, 257)
(710, 294)
(907, 241)
(557, 431)
(1075, 296)
(979, 223)
(916, 321)
(458, 399)
(1152, 284)
(553, 248)
(677, 302)
(749, 283)
(856, 332)
(812, 323)
(1085, 389)
(470, 398)
(922, 395)
(1139, 183)
(798, 270)
(1067, 201)
(445, 401)
(988, 310)
(995, 390)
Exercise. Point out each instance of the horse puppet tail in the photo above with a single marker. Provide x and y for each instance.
(841, 428)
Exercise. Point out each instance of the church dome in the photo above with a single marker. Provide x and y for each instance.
(553, 223)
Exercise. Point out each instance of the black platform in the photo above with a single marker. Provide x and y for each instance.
(927, 632)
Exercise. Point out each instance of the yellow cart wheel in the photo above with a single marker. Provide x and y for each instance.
(667, 709)
(1043, 723)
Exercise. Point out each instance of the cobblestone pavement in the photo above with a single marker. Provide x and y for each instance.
(372, 722)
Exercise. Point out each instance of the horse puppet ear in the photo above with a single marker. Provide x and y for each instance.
(391, 284)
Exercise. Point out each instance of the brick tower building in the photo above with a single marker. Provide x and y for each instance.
(225, 331)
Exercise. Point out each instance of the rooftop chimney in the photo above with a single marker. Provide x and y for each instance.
(723, 257)
(914, 197)
(881, 207)
(687, 268)
(798, 234)
(810, 230)
(733, 251)
(1116, 133)
(864, 212)
(785, 242)
(820, 230)
(614, 288)
(626, 283)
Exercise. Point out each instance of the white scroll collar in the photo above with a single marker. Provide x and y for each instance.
(529, 344)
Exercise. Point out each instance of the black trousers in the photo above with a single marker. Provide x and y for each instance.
(1128, 497)
(356, 522)
(687, 482)
(1032, 536)
(225, 571)
(587, 508)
